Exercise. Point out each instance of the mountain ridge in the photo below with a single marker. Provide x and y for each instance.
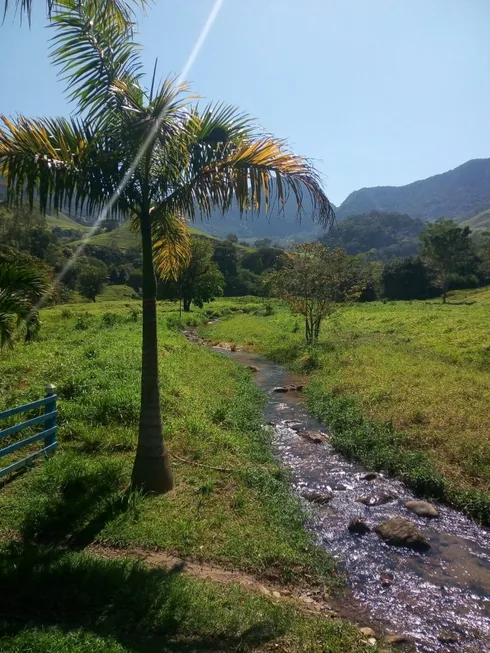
(459, 193)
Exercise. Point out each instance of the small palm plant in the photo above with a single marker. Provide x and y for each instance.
(21, 288)
(154, 156)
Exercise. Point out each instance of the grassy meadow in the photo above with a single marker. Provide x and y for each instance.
(404, 386)
(231, 505)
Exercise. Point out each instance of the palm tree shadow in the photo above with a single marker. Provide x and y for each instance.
(146, 610)
(75, 513)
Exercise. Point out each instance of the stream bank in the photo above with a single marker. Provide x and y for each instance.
(439, 598)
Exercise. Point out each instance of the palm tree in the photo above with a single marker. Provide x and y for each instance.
(21, 287)
(154, 156)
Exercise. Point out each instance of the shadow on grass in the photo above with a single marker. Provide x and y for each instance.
(47, 582)
(145, 610)
(72, 501)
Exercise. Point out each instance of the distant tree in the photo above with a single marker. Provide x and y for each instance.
(406, 279)
(446, 249)
(135, 280)
(91, 281)
(263, 242)
(202, 280)
(21, 287)
(232, 238)
(314, 281)
(261, 260)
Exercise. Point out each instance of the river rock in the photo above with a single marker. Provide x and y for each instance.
(376, 500)
(396, 639)
(317, 497)
(281, 388)
(253, 368)
(421, 508)
(358, 526)
(447, 637)
(370, 476)
(312, 436)
(386, 579)
(367, 632)
(295, 426)
(402, 532)
(372, 641)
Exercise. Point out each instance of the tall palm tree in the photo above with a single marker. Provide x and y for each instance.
(21, 287)
(154, 156)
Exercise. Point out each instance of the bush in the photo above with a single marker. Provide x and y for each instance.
(111, 319)
(134, 315)
(83, 322)
(174, 323)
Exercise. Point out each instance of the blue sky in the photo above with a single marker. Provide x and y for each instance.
(377, 92)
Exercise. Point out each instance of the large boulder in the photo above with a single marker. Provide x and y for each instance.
(402, 532)
(421, 508)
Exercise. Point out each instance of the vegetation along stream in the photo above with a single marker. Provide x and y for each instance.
(438, 597)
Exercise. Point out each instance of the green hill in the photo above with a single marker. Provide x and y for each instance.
(480, 221)
(124, 238)
(62, 221)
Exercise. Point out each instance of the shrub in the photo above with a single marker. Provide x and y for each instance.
(111, 319)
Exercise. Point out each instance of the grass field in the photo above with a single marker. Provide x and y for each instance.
(125, 238)
(64, 222)
(59, 596)
(405, 386)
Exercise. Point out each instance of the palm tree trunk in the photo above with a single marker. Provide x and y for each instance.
(151, 470)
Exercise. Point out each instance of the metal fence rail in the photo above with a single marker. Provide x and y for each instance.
(48, 434)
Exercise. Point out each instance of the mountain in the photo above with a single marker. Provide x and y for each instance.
(383, 235)
(275, 224)
(460, 193)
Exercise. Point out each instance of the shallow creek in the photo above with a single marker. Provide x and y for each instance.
(443, 594)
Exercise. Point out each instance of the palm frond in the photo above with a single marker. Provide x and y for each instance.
(21, 287)
(95, 54)
(230, 162)
(64, 161)
(172, 244)
(121, 11)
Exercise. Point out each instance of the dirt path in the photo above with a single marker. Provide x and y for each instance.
(306, 599)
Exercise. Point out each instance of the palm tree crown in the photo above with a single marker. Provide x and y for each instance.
(153, 155)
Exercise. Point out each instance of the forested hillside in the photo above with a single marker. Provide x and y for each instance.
(383, 235)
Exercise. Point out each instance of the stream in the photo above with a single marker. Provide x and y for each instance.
(439, 599)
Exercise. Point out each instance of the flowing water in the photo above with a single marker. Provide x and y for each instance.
(443, 594)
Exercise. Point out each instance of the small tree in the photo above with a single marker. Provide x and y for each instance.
(447, 250)
(91, 282)
(314, 281)
(201, 281)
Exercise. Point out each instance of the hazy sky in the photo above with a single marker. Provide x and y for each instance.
(377, 92)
